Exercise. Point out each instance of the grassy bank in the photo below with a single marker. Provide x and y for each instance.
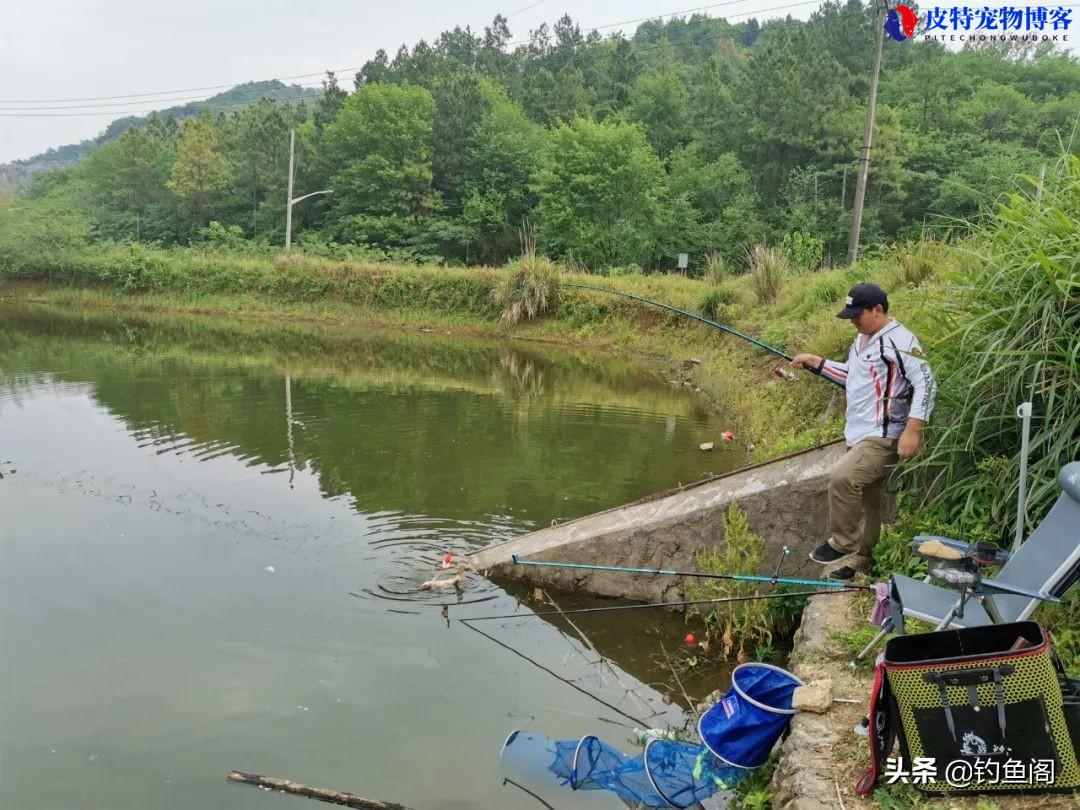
(310, 288)
(303, 287)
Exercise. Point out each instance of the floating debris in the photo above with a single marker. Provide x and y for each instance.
(438, 584)
(706, 446)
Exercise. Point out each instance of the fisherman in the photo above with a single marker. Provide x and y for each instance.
(890, 393)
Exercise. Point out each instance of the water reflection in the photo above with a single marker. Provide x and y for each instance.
(212, 545)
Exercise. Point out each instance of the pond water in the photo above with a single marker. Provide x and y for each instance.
(212, 537)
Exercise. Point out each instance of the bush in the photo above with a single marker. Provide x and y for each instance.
(914, 264)
(36, 245)
(715, 303)
(223, 237)
(806, 251)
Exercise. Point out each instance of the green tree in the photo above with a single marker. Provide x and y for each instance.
(256, 143)
(329, 102)
(712, 106)
(623, 67)
(725, 215)
(459, 107)
(125, 181)
(380, 143)
(659, 102)
(602, 195)
(998, 112)
(791, 99)
(498, 195)
(201, 173)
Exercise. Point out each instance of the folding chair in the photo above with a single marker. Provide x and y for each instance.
(1047, 564)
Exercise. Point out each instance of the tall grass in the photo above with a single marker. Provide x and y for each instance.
(1009, 333)
(911, 265)
(530, 289)
(717, 269)
(769, 268)
(739, 626)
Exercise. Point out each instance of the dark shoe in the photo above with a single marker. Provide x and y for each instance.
(826, 554)
(843, 574)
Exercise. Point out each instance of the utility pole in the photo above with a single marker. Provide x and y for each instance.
(868, 134)
(290, 201)
(843, 191)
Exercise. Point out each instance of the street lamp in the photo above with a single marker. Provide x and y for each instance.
(290, 200)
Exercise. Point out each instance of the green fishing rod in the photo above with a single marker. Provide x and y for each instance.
(688, 314)
(773, 580)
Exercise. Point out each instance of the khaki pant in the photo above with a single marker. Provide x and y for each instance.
(856, 487)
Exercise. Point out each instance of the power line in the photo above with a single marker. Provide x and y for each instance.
(32, 111)
(164, 92)
(200, 89)
(197, 106)
(660, 17)
(261, 91)
(150, 97)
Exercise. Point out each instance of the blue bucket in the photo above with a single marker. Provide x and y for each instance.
(743, 727)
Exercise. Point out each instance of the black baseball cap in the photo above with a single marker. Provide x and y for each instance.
(863, 296)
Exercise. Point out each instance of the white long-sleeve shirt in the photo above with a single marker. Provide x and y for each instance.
(887, 381)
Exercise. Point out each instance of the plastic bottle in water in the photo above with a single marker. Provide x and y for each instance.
(644, 736)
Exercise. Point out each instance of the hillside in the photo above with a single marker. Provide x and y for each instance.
(621, 150)
(19, 171)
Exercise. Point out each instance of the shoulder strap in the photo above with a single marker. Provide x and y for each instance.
(882, 731)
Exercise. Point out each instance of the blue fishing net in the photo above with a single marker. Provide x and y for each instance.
(667, 774)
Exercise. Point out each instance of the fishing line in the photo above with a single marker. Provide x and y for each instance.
(567, 681)
(508, 781)
(637, 721)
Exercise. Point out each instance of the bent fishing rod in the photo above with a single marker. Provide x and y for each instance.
(773, 580)
(687, 314)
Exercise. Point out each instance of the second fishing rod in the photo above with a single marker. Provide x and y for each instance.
(767, 580)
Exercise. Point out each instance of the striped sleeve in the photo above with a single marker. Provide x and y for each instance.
(833, 372)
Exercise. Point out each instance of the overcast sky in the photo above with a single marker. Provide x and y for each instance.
(73, 49)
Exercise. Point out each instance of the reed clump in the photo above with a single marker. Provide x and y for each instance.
(529, 290)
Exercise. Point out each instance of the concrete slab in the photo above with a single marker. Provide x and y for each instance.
(784, 500)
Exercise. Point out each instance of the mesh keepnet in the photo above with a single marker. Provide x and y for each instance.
(671, 773)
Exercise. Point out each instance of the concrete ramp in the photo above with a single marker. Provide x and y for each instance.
(784, 500)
